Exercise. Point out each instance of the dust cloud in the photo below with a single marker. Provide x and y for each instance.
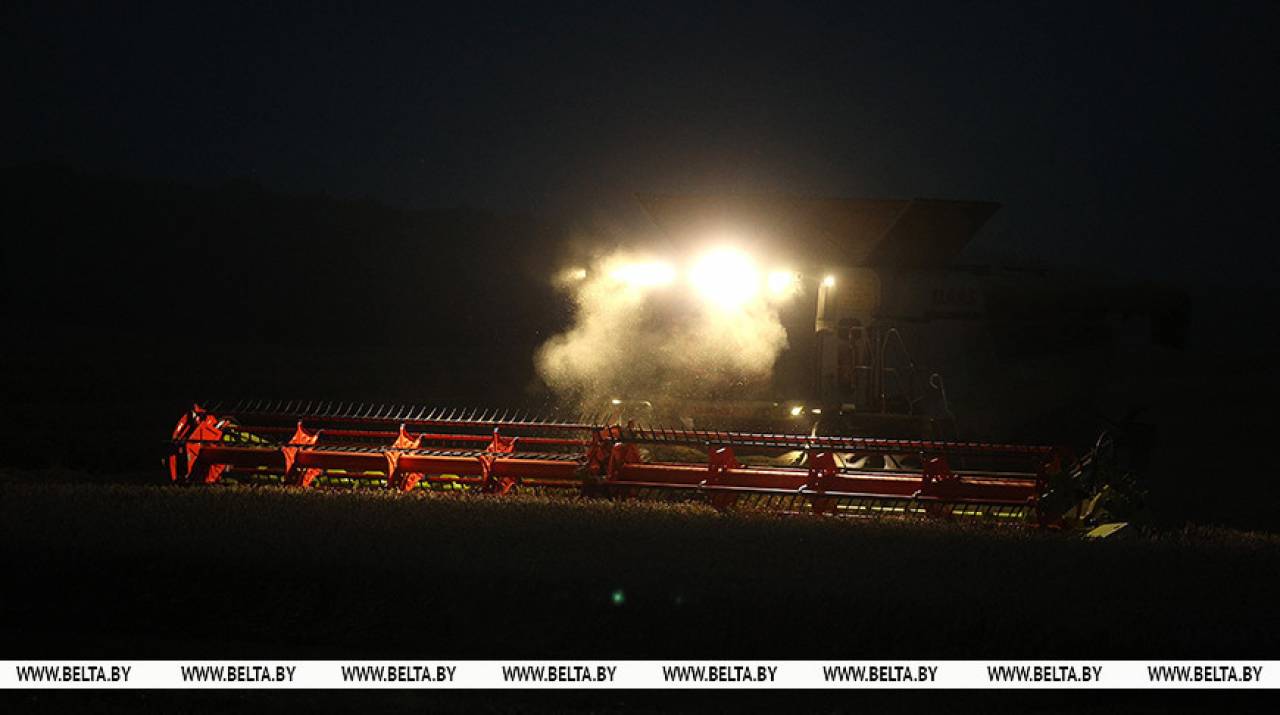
(642, 330)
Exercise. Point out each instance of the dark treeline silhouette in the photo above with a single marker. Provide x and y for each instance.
(133, 256)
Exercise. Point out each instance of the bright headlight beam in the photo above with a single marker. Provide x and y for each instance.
(644, 274)
(782, 283)
(725, 277)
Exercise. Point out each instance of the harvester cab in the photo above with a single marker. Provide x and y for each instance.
(889, 334)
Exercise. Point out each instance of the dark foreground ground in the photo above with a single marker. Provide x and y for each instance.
(97, 571)
(159, 572)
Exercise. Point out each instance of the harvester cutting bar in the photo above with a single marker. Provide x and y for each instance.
(322, 414)
(862, 445)
(394, 415)
(493, 451)
(464, 466)
(384, 435)
(848, 482)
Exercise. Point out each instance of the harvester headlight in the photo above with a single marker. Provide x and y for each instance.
(646, 274)
(829, 281)
(783, 284)
(797, 410)
(725, 277)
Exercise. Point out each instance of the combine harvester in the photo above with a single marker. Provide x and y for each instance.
(858, 421)
(407, 448)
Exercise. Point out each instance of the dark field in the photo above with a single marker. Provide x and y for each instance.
(159, 572)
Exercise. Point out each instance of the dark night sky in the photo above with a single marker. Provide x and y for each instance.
(1142, 134)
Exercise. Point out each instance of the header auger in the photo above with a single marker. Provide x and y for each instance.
(405, 448)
